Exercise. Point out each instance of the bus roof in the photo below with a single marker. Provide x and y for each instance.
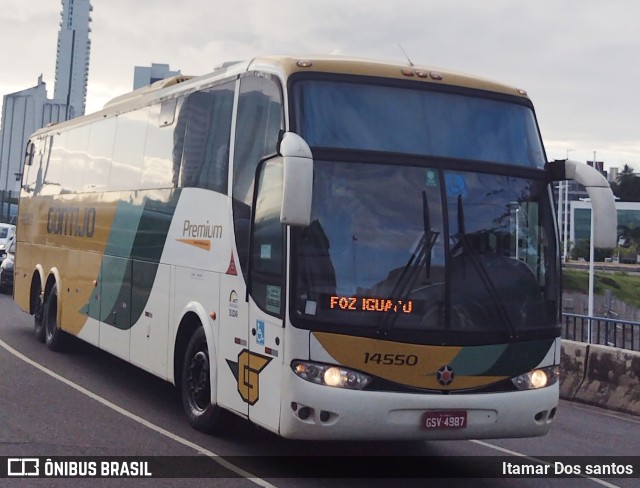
(286, 66)
(289, 65)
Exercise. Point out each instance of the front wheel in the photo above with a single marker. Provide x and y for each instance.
(196, 385)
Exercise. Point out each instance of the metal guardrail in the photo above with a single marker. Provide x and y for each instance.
(601, 330)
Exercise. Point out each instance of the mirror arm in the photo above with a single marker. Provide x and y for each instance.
(605, 221)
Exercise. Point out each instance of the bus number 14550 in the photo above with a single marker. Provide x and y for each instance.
(391, 359)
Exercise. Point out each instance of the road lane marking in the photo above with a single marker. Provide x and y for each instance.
(215, 457)
(599, 411)
(535, 459)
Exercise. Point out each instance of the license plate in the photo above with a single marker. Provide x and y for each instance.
(456, 419)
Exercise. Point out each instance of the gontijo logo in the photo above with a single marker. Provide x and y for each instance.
(247, 371)
(71, 221)
(200, 235)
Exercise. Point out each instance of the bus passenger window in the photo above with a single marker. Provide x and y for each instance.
(100, 152)
(53, 170)
(128, 151)
(206, 118)
(159, 169)
(76, 159)
(30, 171)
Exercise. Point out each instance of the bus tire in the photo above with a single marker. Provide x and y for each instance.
(54, 335)
(38, 320)
(196, 385)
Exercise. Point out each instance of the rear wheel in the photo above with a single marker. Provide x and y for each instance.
(54, 335)
(196, 385)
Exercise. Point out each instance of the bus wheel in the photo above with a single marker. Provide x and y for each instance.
(196, 385)
(38, 320)
(54, 335)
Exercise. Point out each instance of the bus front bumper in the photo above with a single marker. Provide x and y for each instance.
(311, 411)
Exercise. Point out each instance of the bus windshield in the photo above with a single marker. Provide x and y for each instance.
(428, 250)
(424, 248)
(416, 121)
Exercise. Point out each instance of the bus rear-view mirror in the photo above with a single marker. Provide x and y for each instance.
(297, 185)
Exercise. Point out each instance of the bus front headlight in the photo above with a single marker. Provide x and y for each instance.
(336, 376)
(538, 378)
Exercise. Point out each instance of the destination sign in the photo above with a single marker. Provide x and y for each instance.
(370, 304)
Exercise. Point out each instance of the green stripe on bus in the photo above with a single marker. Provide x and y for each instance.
(477, 360)
(130, 263)
(520, 357)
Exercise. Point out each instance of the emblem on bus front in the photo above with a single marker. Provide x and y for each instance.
(445, 376)
(247, 373)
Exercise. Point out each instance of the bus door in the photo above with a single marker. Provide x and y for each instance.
(259, 239)
(251, 332)
(263, 368)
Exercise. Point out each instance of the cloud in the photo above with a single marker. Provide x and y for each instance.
(574, 57)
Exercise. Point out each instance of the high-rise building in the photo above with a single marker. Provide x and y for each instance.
(145, 75)
(72, 61)
(23, 113)
(28, 110)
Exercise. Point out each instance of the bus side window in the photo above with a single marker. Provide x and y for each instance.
(206, 116)
(35, 179)
(76, 159)
(31, 163)
(259, 121)
(31, 150)
(100, 152)
(159, 169)
(128, 150)
(53, 169)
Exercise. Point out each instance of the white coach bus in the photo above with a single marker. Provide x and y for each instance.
(331, 248)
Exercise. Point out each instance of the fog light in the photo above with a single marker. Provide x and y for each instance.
(304, 413)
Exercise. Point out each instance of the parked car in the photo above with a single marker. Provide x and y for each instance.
(7, 233)
(6, 268)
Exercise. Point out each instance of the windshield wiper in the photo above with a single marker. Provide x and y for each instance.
(430, 236)
(421, 255)
(467, 249)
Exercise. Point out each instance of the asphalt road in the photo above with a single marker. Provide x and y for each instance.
(87, 403)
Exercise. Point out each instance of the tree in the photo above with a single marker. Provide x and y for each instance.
(582, 250)
(627, 187)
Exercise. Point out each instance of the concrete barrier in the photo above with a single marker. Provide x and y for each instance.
(604, 376)
(612, 379)
(573, 366)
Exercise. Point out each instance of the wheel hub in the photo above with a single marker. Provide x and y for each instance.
(198, 380)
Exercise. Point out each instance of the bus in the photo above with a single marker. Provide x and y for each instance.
(330, 248)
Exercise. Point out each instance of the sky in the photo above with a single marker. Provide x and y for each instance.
(577, 59)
